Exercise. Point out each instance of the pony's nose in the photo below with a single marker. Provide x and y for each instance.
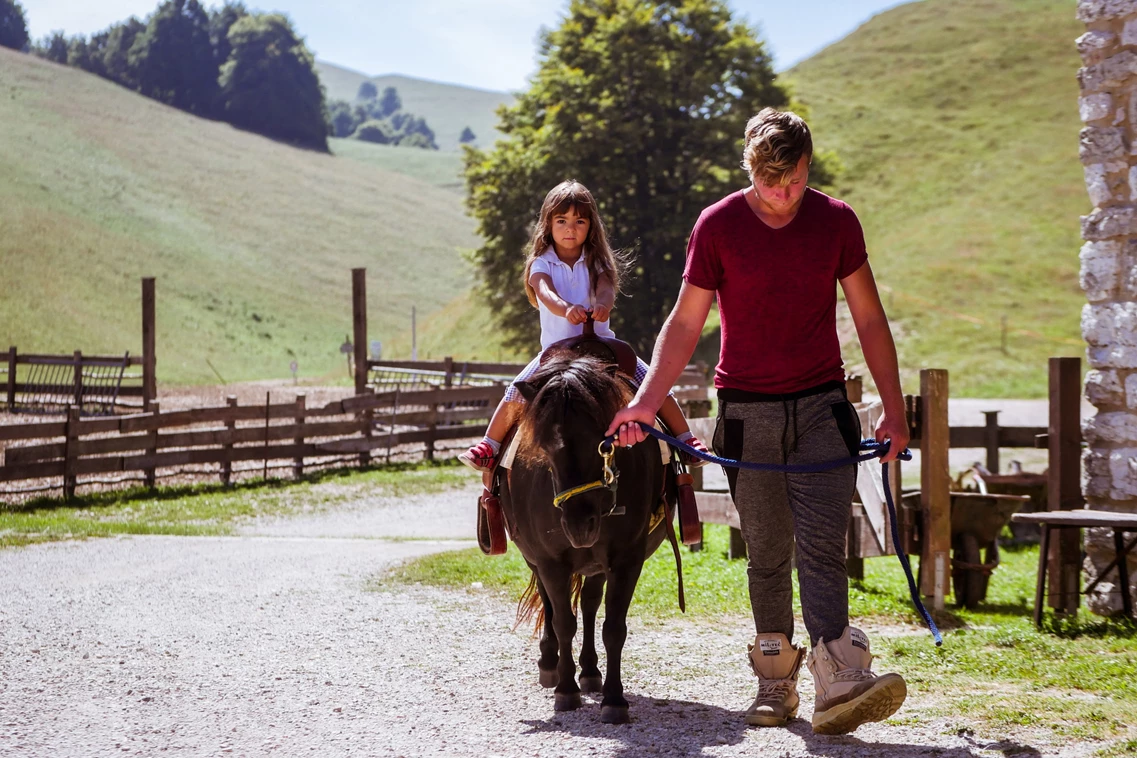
(583, 532)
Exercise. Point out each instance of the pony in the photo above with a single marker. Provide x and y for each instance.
(575, 528)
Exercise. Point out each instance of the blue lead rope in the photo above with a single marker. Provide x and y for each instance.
(873, 449)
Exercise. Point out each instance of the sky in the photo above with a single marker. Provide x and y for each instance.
(490, 44)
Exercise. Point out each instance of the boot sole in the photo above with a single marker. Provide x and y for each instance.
(753, 719)
(875, 705)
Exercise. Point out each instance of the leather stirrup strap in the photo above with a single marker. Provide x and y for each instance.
(678, 558)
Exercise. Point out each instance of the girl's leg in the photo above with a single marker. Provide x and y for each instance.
(672, 415)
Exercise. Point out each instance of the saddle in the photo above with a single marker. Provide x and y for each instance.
(491, 519)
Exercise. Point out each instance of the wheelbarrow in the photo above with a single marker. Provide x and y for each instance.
(976, 521)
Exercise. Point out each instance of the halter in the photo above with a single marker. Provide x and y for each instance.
(609, 480)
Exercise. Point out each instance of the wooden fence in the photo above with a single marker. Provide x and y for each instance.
(224, 435)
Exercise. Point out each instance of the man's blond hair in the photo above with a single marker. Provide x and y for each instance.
(775, 143)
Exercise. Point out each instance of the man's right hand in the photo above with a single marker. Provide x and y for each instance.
(624, 424)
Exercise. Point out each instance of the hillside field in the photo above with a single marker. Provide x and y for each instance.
(252, 242)
(447, 108)
(957, 122)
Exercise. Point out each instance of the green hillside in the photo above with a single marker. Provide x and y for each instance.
(447, 108)
(442, 169)
(957, 123)
(251, 241)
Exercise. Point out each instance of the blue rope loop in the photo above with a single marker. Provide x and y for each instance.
(872, 448)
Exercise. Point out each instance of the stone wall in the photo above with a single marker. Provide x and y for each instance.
(1108, 149)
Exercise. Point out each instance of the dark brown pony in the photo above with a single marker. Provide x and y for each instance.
(600, 535)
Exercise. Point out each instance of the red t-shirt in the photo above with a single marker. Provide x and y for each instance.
(777, 290)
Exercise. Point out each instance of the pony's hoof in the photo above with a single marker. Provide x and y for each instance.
(591, 684)
(613, 714)
(549, 679)
(566, 702)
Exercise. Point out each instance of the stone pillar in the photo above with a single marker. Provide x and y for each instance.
(1108, 149)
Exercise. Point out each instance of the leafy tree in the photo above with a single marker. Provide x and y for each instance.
(173, 58)
(13, 25)
(342, 119)
(53, 47)
(269, 84)
(645, 103)
(85, 55)
(221, 20)
(467, 136)
(378, 131)
(390, 103)
(116, 52)
(367, 91)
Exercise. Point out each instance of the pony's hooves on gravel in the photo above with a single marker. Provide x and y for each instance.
(549, 679)
(591, 684)
(563, 702)
(614, 714)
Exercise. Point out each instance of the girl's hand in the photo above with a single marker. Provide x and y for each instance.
(601, 312)
(576, 314)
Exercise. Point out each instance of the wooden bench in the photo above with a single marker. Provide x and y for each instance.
(1119, 522)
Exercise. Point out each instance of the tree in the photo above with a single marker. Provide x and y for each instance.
(468, 136)
(173, 58)
(13, 26)
(342, 118)
(52, 47)
(643, 102)
(116, 52)
(367, 91)
(378, 131)
(269, 84)
(389, 104)
(221, 20)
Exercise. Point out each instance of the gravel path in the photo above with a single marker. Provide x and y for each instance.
(285, 640)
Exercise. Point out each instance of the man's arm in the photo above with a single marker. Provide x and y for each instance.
(676, 343)
(880, 355)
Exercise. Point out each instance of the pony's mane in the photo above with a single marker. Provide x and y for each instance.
(594, 390)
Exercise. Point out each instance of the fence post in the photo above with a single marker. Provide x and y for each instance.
(11, 379)
(359, 326)
(230, 427)
(77, 378)
(152, 447)
(149, 379)
(432, 427)
(298, 461)
(935, 486)
(1064, 481)
(71, 453)
(991, 440)
(448, 367)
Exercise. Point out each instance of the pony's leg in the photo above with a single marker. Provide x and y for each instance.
(547, 663)
(558, 584)
(621, 584)
(590, 597)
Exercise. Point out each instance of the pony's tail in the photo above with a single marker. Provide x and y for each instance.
(530, 605)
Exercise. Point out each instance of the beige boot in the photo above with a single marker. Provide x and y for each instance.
(776, 662)
(848, 694)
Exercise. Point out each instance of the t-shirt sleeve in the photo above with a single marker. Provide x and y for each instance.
(704, 266)
(853, 253)
(540, 266)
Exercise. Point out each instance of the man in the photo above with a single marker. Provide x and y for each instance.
(773, 254)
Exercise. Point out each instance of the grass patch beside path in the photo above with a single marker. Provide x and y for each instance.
(211, 509)
(994, 674)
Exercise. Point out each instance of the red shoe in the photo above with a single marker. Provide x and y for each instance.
(689, 460)
(480, 457)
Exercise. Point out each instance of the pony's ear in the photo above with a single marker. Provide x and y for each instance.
(527, 389)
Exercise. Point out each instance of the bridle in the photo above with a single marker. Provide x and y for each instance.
(610, 477)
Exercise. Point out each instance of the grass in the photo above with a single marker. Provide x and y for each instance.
(212, 509)
(447, 108)
(994, 673)
(251, 241)
(957, 124)
(437, 168)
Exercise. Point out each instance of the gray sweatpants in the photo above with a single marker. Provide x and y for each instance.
(775, 508)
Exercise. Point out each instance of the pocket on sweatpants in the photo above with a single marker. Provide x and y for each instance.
(727, 443)
(848, 424)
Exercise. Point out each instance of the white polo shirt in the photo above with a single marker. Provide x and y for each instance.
(574, 286)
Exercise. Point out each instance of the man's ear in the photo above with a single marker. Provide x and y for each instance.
(527, 390)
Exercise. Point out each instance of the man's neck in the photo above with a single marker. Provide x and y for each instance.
(771, 217)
